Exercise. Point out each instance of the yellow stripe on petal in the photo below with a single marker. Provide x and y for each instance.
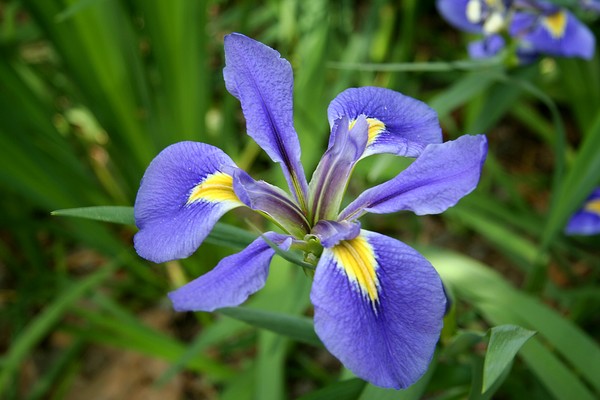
(556, 24)
(357, 259)
(217, 187)
(593, 206)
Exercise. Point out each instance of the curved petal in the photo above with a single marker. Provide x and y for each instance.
(234, 279)
(435, 181)
(263, 82)
(398, 124)
(487, 47)
(455, 12)
(558, 34)
(379, 308)
(182, 195)
(331, 176)
(271, 201)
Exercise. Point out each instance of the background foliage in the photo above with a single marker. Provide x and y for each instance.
(92, 90)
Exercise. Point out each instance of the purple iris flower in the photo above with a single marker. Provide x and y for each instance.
(544, 28)
(587, 220)
(378, 304)
(539, 27)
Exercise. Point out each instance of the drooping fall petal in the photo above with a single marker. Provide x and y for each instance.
(183, 193)
(233, 279)
(379, 307)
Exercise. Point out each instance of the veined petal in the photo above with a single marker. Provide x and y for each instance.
(234, 279)
(330, 179)
(379, 308)
(182, 195)
(263, 82)
(558, 33)
(272, 201)
(587, 220)
(398, 124)
(435, 181)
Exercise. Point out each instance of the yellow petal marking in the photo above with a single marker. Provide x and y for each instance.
(556, 24)
(357, 258)
(217, 187)
(593, 206)
(376, 127)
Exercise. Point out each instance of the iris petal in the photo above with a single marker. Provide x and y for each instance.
(398, 124)
(234, 279)
(557, 34)
(270, 201)
(263, 82)
(435, 181)
(182, 195)
(455, 12)
(331, 176)
(379, 307)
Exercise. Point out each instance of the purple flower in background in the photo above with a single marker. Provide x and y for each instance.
(544, 28)
(378, 303)
(538, 27)
(587, 220)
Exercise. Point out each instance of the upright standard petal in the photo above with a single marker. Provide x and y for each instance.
(234, 279)
(435, 181)
(398, 124)
(557, 33)
(182, 195)
(263, 82)
(330, 179)
(379, 308)
(587, 220)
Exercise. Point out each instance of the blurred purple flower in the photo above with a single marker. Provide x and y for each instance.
(545, 28)
(539, 27)
(378, 303)
(586, 221)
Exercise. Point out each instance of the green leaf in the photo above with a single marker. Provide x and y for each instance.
(222, 234)
(348, 389)
(115, 214)
(297, 328)
(500, 303)
(505, 342)
(39, 327)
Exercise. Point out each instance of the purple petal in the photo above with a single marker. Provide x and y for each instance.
(234, 279)
(587, 220)
(558, 34)
(455, 12)
(385, 335)
(487, 47)
(272, 201)
(331, 233)
(263, 82)
(331, 176)
(172, 215)
(435, 181)
(399, 124)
